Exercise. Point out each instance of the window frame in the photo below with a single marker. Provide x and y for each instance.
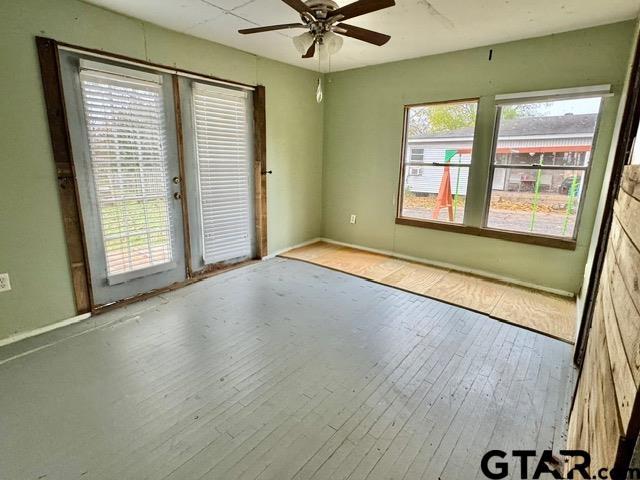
(586, 169)
(602, 91)
(408, 163)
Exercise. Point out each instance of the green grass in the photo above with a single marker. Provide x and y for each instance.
(121, 217)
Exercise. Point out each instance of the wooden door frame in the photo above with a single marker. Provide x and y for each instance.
(48, 55)
(628, 128)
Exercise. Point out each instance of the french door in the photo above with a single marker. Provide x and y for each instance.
(219, 170)
(123, 132)
(123, 137)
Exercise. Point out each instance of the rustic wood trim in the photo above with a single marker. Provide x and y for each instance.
(186, 231)
(260, 169)
(630, 183)
(171, 68)
(65, 172)
(629, 126)
(540, 240)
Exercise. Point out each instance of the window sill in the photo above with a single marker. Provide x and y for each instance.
(540, 240)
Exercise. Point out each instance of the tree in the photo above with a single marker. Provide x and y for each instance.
(432, 119)
(425, 120)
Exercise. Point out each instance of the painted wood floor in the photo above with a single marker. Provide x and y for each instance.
(543, 312)
(279, 370)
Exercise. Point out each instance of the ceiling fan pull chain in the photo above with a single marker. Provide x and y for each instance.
(319, 93)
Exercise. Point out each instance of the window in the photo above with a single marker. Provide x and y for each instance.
(541, 160)
(417, 154)
(436, 160)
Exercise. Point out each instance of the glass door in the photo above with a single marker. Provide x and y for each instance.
(219, 163)
(123, 137)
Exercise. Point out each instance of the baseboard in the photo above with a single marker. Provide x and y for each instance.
(39, 331)
(303, 244)
(450, 266)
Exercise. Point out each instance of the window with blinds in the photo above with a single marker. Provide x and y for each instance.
(222, 133)
(125, 123)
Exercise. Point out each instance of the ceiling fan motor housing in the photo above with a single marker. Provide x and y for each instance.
(320, 24)
(322, 7)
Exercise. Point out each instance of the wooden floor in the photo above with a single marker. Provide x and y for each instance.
(279, 370)
(550, 314)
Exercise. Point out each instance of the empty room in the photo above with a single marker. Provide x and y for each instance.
(319, 239)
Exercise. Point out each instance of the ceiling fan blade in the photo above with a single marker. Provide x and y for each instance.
(363, 34)
(361, 7)
(311, 52)
(272, 27)
(299, 6)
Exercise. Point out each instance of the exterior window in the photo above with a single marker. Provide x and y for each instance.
(436, 159)
(541, 161)
(417, 154)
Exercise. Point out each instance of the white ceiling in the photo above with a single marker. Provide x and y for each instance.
(417, 27)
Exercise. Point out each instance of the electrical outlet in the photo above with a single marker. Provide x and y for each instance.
(5, 285)
(353, 218)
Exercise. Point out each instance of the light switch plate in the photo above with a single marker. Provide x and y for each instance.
(353, 219)
(5, 285)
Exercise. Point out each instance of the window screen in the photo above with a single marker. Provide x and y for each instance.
(222, 131)
(127, 135)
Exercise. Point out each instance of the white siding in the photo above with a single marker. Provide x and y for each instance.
(434, 151)
(431, 177)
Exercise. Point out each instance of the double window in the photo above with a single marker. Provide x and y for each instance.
(540, 161)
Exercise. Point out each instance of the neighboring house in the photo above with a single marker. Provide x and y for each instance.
(562, 140)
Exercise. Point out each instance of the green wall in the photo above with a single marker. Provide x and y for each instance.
(599, 216)
(329, 160)
(362, 144)
(32, 245)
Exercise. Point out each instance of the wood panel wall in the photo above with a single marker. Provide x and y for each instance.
(605, 418)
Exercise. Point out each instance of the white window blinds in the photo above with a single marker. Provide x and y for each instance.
(127, 135)
(224, 167)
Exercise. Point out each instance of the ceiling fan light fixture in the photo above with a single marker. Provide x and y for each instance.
(333, 42)
(303, 42)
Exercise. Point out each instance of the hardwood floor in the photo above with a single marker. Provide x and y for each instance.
(543, 312)
(279, 370)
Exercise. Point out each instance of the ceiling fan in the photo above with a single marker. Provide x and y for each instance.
(323, 20)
